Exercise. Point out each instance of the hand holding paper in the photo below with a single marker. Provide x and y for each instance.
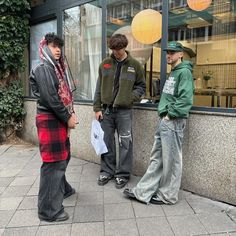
(97, 136)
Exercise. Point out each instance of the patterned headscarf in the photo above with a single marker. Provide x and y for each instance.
(64, 91)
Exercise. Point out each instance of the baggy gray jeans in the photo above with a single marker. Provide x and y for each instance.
(163, 176)
(121, 120)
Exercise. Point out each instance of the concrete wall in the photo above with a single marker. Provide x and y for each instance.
(209, 151)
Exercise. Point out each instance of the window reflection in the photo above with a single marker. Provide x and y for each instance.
(82, 32)
(120, 14)
(209, 37)
(36, 34)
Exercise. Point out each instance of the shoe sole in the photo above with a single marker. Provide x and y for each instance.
(130, 195)
(101, 183)
(156, 202)
(120, 186)
(54, 220)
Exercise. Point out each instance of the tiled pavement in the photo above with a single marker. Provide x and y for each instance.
(96, 210)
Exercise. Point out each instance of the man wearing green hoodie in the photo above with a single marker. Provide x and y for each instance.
(161, 182)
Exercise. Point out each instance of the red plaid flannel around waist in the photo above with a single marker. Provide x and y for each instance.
(54, 143)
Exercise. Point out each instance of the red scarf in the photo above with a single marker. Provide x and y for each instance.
(64, 91)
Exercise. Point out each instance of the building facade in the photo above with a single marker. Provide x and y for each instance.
(208, 36)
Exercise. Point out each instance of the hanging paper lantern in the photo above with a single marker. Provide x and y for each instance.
(199, 5)
(147, 26)
(137, 50)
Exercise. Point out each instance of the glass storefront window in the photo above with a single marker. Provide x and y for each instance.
(120, 14)
(83, 47)
(209, 37)
(36, 34)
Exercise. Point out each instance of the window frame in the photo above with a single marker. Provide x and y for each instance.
(54, 10)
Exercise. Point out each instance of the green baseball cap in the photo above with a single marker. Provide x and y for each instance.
(174, 46)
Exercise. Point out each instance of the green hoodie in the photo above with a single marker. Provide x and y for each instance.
(177, 95)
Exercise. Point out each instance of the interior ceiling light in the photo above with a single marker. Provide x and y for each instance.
(116, 21)
(178, 11)
(147, 26)
(225, 17)
(199, 5)
(197, 23)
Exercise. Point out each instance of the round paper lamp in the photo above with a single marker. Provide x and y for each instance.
(199, 5)
(139, 51)
(146, 26)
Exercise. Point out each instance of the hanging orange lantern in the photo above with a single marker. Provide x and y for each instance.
(139, 51)
(199, 5)
(147, 26)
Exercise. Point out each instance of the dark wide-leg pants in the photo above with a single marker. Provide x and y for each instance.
(53, 186)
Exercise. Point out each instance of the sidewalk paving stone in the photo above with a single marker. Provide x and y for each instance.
(154, 226)
(26, 231)
(20, 181)
(29, 203)
(144, 210)
(88, 213)
(185, 225)
(23, 218)
(16, 191)
(93, 197)
(118, 211)
(10, 203)
(85, 229)
(217, 222)
(59, 230)
(121, 227)
(4, 182)
(5, 217)
(2, 189)
(99, 210)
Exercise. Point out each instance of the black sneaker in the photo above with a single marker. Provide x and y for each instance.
(61, 217)
(103, 179)
(155, 200)
(129, 193)
(121, 182)
(68, 194)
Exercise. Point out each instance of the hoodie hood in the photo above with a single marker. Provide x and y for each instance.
(183, 65)
(177, 95)
(64, 91)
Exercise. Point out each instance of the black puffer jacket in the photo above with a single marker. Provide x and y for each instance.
(44, 84)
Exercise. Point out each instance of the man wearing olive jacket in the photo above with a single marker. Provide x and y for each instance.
(161, 182)
(120, 83)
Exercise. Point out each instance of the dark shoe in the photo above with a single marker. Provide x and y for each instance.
(68, 194)
(129, 193)
(154, 200)
(121, 182)
(61, 217)
(103, 179)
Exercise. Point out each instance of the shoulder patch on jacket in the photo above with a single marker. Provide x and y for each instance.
(131, 69)
(107, 66)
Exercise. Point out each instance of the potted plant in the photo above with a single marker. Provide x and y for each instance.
(207, 75)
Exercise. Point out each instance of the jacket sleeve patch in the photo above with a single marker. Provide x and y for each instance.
(107, 66)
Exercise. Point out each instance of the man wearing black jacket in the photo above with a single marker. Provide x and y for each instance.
(55, 117)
